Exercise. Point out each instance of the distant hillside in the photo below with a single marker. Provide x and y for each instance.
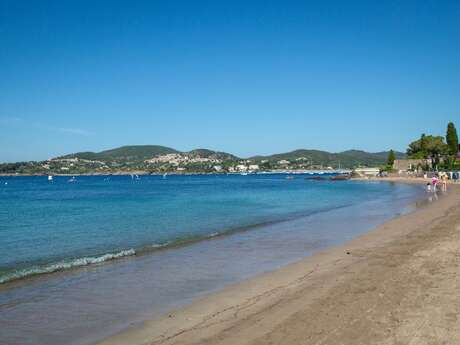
(347, 159)
(143, 152)
(128, 153)
(137, 153)
(205, 153)
(160, 159)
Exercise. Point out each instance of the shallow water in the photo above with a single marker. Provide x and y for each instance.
(272, 222)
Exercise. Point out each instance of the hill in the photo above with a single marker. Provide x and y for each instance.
(346, 159)
(205, 153)
(127, 153)
(161, 159)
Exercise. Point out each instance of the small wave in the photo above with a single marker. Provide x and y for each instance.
(64, 265)
(180, 241)
(160, 245)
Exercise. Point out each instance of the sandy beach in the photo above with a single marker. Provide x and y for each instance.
(397, 284)
(230, 173)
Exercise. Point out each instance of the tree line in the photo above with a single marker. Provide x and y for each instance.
(441, 151)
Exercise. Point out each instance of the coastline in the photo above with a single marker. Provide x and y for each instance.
(176, 173)
(23, 275)
(361, 292)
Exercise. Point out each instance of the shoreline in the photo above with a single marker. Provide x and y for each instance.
(176, 173)
(25, 274)
(294, 298)
(21, 276)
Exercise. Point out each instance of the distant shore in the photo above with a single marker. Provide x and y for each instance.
(392, 285)
(147, 173)
(401, 179)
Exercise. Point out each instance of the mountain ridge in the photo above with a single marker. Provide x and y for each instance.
(160, 159)
(348, 158)
(142, 152)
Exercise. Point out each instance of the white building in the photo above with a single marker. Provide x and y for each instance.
(367, 172)
(241, 167)
(179, 158)
(254, 167)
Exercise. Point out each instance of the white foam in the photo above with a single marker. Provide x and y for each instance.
(160, 245)
(64, 265)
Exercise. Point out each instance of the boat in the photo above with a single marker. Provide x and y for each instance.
(317, 178)
(50, 178)
(72, 180)
(340, 177)
(165, 174)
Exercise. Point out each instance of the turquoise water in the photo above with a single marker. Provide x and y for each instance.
(49, 226)
(230, 227)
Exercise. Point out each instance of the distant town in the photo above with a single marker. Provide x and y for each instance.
(153, 159)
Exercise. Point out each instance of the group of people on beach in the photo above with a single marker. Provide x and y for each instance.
(440, 181)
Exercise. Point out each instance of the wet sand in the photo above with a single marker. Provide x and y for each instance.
(398, 284)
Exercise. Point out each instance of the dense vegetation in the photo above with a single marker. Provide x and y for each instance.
(345, 159)
(129, 153)
(442, 152)
(452, 139)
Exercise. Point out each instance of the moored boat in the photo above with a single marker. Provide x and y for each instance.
(340, 177)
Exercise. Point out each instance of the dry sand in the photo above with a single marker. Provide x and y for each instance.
(398, 284)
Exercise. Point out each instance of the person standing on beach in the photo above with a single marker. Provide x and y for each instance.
(444, 182)
(434, 182)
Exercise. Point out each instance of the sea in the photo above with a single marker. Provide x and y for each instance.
(85, 258)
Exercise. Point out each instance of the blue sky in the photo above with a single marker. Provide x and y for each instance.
(247, 77)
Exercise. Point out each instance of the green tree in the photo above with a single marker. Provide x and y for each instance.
(428, 146)
(391, 158)
(423, 143)
(452, 139)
